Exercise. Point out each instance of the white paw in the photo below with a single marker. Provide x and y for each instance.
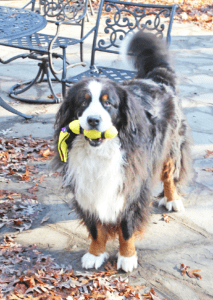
(176, 205)
(127, 263)
(92, 261)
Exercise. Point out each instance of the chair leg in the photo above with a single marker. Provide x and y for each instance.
(24, 86)
(81, 51)
(49, 81)
(81, 44)
(12, 110)
(90, 5)
(64, 74)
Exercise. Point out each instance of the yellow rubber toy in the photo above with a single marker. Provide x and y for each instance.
(75, 127)
(93, 134)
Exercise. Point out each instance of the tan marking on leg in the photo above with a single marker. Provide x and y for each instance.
(98, 245)
(170, 191)
(126, 248)
(139, 234)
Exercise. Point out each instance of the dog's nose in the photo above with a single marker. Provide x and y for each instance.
(93, 121)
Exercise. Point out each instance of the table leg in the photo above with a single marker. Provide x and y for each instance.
(12, 110)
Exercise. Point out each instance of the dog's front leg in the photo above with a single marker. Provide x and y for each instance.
(96, 255)
(127, 256)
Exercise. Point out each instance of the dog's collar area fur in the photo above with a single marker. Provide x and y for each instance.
(99, 184)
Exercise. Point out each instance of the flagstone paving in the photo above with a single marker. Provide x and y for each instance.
(188, 237)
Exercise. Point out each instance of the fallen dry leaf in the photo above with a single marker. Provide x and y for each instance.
(183, 269)
(190, 273)
(42, 178)
(25, 176)
(111, 269)
(194, 274)
(166, 218)
(18, 222)
(46, 152)
(59, 95)
(208, 153)
(151, 295)
(56, 174)
(208, 169)
(45, 219)
(33, 189)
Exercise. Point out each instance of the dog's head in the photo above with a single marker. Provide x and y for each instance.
(97, 104)
(97, 108)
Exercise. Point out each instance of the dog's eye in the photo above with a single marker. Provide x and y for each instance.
(86, 100)
(105, 100)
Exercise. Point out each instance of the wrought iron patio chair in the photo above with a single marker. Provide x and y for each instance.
(121, 18)
(44, 47)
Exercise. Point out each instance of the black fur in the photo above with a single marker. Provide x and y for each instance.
(151, 127)
(151, 55)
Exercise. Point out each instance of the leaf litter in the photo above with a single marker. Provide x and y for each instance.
(17, 210)
(198, 12)
(26, 273)
(17, 153)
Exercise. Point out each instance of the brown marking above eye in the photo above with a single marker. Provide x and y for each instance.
(105, 97)
(87, 96)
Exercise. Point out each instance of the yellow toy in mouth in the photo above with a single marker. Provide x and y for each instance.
(75, 127)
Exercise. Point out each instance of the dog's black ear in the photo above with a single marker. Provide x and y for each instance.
(128, 123)
(127, 114)
(64, 116)
(66, 112)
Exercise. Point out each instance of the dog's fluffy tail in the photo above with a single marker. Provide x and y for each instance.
(151, 58)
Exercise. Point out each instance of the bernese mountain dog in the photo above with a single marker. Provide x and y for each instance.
(112, 179)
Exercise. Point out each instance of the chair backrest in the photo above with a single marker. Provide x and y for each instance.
(122, 17)
(67, 11)
(32, 3)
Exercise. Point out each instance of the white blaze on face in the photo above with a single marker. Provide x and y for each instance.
(96, 109)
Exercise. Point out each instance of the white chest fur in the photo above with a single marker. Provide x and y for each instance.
(97, 174)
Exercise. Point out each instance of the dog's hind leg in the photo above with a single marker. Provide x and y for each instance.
(127, 256)
(171, 198)
(96, 255)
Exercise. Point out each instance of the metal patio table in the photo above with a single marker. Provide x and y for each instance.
(16, 23)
